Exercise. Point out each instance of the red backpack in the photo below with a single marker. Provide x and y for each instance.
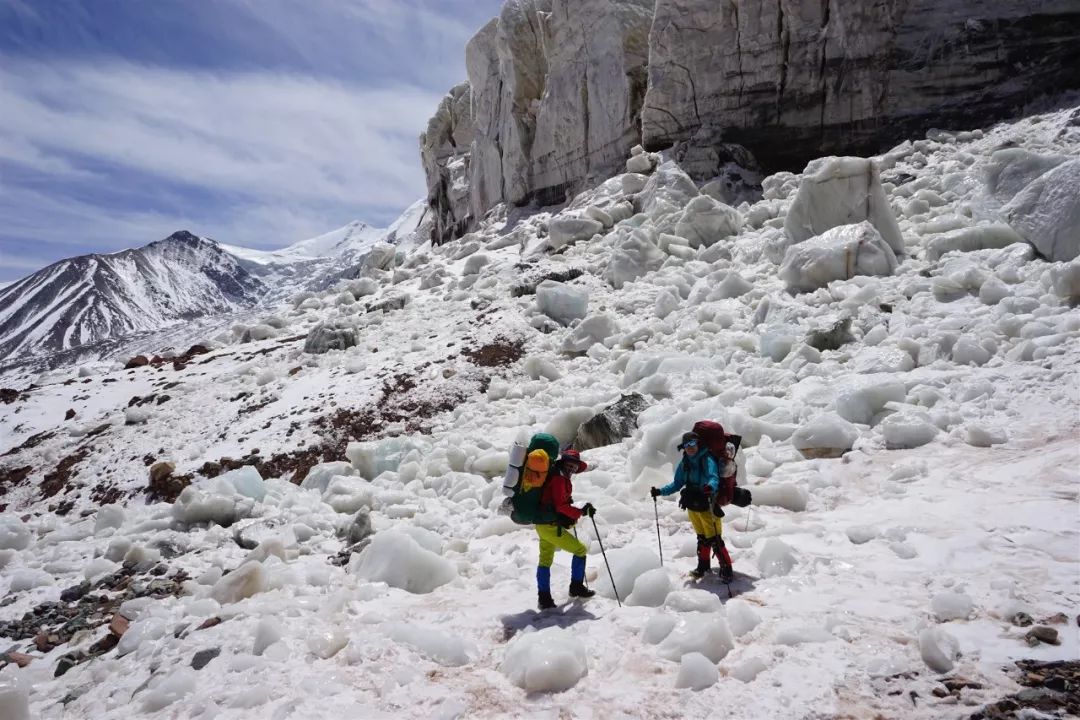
(713, 438)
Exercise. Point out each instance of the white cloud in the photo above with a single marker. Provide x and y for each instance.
(263, 136)
(123, 152)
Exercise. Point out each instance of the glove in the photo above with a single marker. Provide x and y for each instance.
(588, 510)
(654, 492)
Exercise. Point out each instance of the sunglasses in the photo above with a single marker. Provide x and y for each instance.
(688, 444)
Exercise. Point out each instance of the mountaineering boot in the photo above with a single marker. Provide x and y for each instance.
(726, 573)
(543, 588)
(578, 590)
(703, 561)
(577, 578)
(723, 557)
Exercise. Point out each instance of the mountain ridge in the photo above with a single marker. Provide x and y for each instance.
(97, 297)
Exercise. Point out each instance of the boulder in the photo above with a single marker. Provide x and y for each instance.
(444, 153)
(325, 337)
(612, 424)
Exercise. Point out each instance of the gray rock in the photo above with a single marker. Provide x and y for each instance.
(612, 424)
(445, 154)
(201, 658)
(587, 121)
(832, 339)
(358, 529)
(324, 337)
(393, 302)
(1042, 633)
(793, 80)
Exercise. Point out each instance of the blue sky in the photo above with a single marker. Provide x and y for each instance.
(255, 122)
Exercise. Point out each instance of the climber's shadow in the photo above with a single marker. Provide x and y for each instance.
(562, 616)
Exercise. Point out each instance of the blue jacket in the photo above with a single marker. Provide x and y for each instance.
(698, 471)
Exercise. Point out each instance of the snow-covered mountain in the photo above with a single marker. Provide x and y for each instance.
(92, 303)
(301, 519)
(94, 297)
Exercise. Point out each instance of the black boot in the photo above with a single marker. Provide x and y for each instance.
(545, 602)
(579, 590)
(725, 572)
(703, 563)
(701, 570)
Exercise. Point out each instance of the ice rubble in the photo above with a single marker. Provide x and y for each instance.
(548, 660)
(442, 647)
(696, 672)
(1047, 212)
(651, 588)
(839, 253)
(939, 649)
(561, 302)
(842, 191)
(627, 565)
(703, 633)
(952, 606)
(396, 558)
(14, 534)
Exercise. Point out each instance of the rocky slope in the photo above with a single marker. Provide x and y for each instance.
(93, 297)
(560, 90)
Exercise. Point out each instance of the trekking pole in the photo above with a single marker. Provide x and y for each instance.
(658, 545)
(749, 511)
(596, 531)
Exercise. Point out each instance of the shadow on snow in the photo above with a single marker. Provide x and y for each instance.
(562, 616)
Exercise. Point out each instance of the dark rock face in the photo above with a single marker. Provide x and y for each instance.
(612, 424)
(796, 80)
(561, 90)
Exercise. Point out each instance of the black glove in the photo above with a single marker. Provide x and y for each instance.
(654, 492)
(588, 510)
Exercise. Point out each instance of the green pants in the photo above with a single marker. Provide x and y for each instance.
(553, 537)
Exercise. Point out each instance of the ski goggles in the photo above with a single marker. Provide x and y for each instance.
(687, 444)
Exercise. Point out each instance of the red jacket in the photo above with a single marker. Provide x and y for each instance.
(557, 491)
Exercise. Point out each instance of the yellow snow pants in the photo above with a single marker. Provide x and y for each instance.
(553, 537)
(705, 523)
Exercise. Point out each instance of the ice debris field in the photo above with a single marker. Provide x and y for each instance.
(299, 518)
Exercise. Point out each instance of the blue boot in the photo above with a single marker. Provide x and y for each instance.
(543, 588)
(577, 579)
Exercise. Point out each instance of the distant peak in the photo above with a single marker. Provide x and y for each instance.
(184, 236)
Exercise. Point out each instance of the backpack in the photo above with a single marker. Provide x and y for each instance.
(540, 458)
(713, 438)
